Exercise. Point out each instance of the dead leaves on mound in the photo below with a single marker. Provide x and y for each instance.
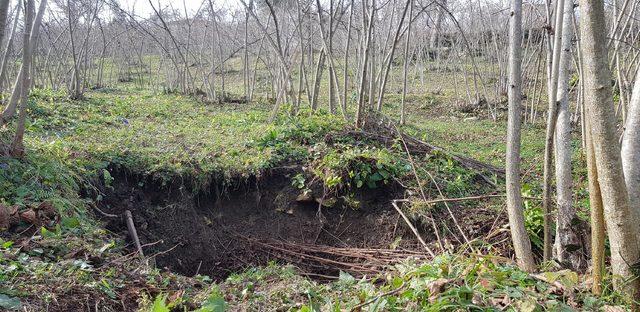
(42, 215)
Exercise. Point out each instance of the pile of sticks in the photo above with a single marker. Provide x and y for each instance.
(320, 260)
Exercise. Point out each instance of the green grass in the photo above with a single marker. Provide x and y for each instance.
(168, 136)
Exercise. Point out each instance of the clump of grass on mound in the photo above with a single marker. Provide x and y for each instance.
(348, 166)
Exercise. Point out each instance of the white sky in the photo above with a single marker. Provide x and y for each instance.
(143, 8)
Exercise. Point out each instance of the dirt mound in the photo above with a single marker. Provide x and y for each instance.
(247, 223)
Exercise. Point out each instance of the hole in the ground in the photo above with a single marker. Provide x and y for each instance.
(261, 220)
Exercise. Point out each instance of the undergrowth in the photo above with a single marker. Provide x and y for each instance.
(450, 282)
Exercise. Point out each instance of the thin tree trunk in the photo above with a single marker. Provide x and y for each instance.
(631, 147)
(568, 245)
(597, 218)
(5, 56)
(552, 116)
(29, 37)
(521, 243)
(365, 59)
(406, 67)
(4, 13)
(346, 58)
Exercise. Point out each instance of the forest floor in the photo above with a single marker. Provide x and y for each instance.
(239, 212)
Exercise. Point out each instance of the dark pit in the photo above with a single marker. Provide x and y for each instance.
(258, 220)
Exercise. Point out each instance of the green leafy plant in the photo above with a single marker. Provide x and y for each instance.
(533, 218)
(298, 181)
(352, 166)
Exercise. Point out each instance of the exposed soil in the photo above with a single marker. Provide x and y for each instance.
(220, 234)
(261, 219)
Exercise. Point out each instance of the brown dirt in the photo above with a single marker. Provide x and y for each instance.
(216, 235)
(255, 220)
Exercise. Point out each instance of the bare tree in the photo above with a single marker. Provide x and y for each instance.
(405, 68)
(29, 38)
(552, 117)
(8, 46)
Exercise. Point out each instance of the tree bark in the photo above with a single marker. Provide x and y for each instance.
(597, 218)
(568, 245)
(521, 243)
(29, 36)
(631, 146)
(621, 219)
(552, 115)
(4, 10)
(405, 68)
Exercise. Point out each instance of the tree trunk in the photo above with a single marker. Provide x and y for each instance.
(568, 245)
(5, 55)
(621, 218)
(519, 236)
(552, 115)
(4, 10)
(346, 58)
(597, 218)
(631, 146)
(435, 32)
(368, 25)
(317, 80)
(405, 68)
(30, 33)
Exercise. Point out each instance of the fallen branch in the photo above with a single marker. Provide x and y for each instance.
(132, 232)
(383, 129)
(459, 199)
(413, 229)
(104, 214)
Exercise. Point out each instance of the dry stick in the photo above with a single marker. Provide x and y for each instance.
(455, 220)
(424, 197)
(166, 251)
(458, 199)
(151, 244)
(198, 269)
(329, 277)
(413, 229)
(107, 215)
(132, 231)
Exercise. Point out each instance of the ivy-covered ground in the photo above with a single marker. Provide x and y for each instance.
(57, 255)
